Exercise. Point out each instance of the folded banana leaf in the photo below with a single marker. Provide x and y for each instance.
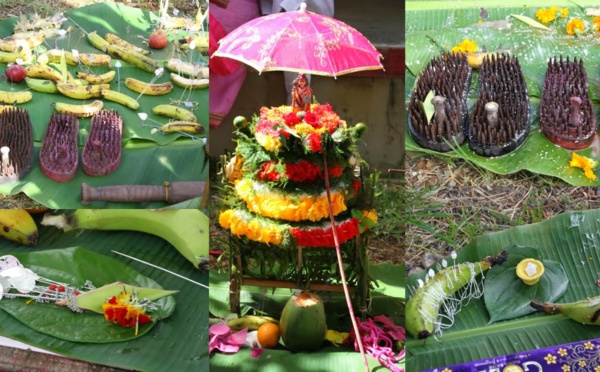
(185, 160)
(179, 342)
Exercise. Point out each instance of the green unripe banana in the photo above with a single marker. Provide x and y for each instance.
(585, 311)
(422, 310)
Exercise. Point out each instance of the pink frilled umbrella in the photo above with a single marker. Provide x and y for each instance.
(302, 42)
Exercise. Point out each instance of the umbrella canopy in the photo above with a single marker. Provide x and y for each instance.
(300, 41)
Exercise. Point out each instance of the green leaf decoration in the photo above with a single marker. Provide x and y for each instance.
(430, 24)
(147, 159)
(570, 239)
(531, 22)
(505, 294)
(75, 266)
(428, 106)
(178, 342)
(93, 300)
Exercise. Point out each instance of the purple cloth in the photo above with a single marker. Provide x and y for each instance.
(576, 356)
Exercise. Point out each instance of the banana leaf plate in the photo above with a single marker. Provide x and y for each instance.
(387, 299)
(169, 157)
(570, 239)
(432, 27)
(178, 342)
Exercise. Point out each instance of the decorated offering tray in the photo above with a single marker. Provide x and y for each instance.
(566, 114)
(501, 117)
(443, 87)
(16, 144)
(292, 173)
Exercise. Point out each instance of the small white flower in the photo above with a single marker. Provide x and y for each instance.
(453, 255)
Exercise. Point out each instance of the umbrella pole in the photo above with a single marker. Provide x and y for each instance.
(341, 266)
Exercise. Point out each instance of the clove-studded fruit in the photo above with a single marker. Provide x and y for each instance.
(16, 144)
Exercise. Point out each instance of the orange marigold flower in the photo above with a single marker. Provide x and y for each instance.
(596, 22)
(574, 26)
(546, 15)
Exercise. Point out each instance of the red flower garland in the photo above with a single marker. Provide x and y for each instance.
(301, 171)
(324, 237)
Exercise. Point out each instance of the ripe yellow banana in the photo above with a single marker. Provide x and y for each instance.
(97, 41)
(94, 59)
(124, 99)
(12, 98)
(180, 126)
(147, 88)
(174, 112)
(185, 68)
(139, 60)
(81, 111)
(21, 52)
(81, 91)
(12, 45)
(17, 225)
(422, 309)
(252, 322)
(97, 79)
(586, 311)
(55, 55)
(116, 40)
(41, 85)
(185, 229)
(43, 72)
(186, 83)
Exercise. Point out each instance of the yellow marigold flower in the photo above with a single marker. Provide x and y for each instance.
(465, 46)
(564, 12)
(372, 214)
(587, 164)
(546, 15)
(574, 25)
(596, 22)
(268, 142)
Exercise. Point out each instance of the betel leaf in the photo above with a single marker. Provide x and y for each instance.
(428, 106)
(506, 296)
(530, 21)
(75, 266)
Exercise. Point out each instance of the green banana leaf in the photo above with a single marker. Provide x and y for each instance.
(387, 299)
(185, 159)
(179, 342)
(570, 239)
(432, 27)
(74, 266)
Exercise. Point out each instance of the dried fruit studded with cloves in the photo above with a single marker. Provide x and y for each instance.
(566, 114)
(102, 150)
(58, 155)
(448, 77)
(16, 144)
(501, 117)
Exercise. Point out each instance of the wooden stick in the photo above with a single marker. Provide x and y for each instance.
(294, 285)
(173, 192)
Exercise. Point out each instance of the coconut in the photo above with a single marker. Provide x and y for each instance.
(302, 324)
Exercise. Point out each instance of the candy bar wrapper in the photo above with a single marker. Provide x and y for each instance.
(576, 356)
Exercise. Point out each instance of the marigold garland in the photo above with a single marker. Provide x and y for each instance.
(260, 199)
(242, 223)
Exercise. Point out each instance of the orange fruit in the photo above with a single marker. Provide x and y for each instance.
(268, 335)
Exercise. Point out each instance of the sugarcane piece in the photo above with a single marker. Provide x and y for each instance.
(448, 77)
(169, 192)
(102, 150)
(502, 115)
(16, 144)
(567, 116)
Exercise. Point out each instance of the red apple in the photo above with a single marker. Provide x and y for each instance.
(158, 39)
(15, 73)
